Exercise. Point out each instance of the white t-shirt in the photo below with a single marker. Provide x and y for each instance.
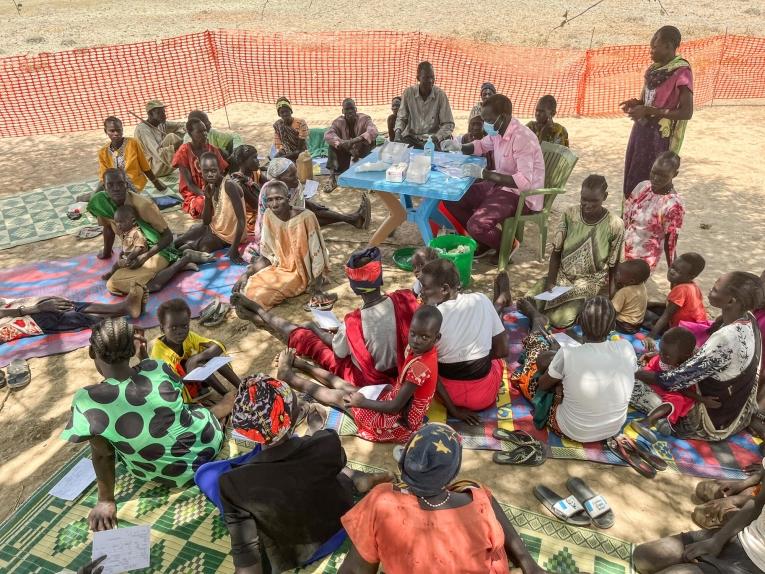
(469, 323)
(597, 385)
(752, 539)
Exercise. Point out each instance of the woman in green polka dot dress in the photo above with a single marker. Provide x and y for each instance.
(139, 414)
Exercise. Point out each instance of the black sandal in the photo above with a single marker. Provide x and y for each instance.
(595, 505)
(526, 455)
(569, 510)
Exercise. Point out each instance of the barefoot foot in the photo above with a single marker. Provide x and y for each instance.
(503, 297)
(246, 315)
(285, 360)
(135, 301)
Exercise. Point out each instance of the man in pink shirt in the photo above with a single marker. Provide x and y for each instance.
(519, 167)
(350, 137)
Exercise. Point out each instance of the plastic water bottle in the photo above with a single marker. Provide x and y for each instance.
(430, 148)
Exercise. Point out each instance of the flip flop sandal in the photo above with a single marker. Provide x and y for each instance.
(18, 374)
(644, 431)
(325, 306)
(622, 449)
(210, 310)
(89, 232)
(525, 455)
(594, 504)
(569, 510)
(708, 490)
(713, 514)
(647, 455)
(517, 437)
(217, 318)
(664, 427)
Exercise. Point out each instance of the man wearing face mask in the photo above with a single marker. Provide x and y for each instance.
(350, 137)
(519, 167)
(425, 111)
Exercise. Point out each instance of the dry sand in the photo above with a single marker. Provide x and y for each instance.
(721, 180)
(52, 25)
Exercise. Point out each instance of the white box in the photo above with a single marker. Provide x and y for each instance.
(396, 173)
(419, 169)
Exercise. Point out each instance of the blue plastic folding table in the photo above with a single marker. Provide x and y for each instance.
(439, 187)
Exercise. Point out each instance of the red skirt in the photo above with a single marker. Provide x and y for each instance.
(476, 394)
(308, 344)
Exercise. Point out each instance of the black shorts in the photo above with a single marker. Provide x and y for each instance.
(74, 320)
(732, 560)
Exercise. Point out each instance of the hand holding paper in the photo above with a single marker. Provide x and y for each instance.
(205, 371)
(553, 293)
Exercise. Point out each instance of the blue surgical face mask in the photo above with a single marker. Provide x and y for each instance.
(490, 129)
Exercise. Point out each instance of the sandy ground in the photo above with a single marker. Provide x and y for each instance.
(51, 25)
(721, 189)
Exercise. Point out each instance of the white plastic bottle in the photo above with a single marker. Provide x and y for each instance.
(430, 148)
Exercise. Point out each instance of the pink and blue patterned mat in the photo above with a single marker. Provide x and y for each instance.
(79, 279)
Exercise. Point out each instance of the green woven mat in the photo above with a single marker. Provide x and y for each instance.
(47, 534)
(41, 214)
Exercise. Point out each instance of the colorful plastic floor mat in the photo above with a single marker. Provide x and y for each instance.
(725, 459)
(79, 279)
(41, 214)
(47, 534)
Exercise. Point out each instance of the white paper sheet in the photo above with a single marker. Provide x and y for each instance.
(203, 373)
(125, 548)
(75, 481)
(372, 392)
(310, 188)
(325, 319)
(553, 293)
(566, 341)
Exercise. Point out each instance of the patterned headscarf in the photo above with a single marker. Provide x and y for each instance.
(282, 102)
(365, 277)
(262, 409)
(431, 459)
(278, 166)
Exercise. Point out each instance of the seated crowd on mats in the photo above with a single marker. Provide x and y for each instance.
(700, 378)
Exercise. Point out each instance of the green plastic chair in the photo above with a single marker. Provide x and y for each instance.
(317, 145)
(559, 163)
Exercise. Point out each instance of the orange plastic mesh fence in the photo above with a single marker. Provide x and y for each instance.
(74, 90)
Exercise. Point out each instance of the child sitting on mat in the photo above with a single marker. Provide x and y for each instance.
(184, 350)
(420, 258)
(677, 346)
(133, 242)
(399, 410)
(685, 301)
(631, 300)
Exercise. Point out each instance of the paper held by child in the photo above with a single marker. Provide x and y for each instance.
(205, 371)
(565, 340)
(326, 320)
(372, 392)
(126, 549)
(553, 293)
(75, 481)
